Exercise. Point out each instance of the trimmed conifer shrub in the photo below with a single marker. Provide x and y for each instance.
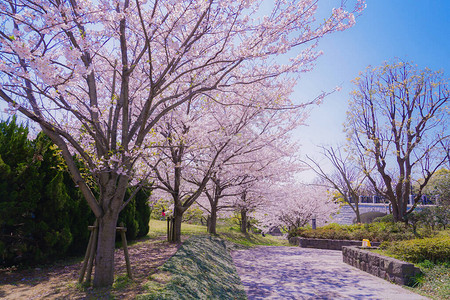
(136, 215)
(43, 214)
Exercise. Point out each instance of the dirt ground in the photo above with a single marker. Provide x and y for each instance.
(61, 281)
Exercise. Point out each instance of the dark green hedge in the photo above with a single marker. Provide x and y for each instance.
(43, 215)
(136, 215)
(42, 212)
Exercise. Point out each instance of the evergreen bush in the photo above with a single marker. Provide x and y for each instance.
(143, 212)
(433, 217)
(42, 210)
(43, 214)
(376, 232)
(435, 249)
(385, 219)
(136, 215)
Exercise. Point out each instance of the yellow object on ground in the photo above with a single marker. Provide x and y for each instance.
(366, 243)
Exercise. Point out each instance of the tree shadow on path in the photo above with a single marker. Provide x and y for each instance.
(299, 273)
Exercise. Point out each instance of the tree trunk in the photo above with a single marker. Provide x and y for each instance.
(404, 203)
(213, 201)
(244, 221)
(178, 217)
(212, 221)
(358, 215)
(399, 210)
(355, 205)
(396, 212)
(112, 192)
(104, 261)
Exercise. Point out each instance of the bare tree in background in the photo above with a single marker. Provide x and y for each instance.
(398, 125)
(346, 178)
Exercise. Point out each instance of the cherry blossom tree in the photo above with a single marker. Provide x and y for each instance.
(271, 195)
(183, 162)
(223, 188)
(242, 184)
(253, 134)
(275, 164)
(398, 125)
(295, 205)
(188, 159)
(97, 76)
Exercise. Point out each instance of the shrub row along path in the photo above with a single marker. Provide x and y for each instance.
(303, 273)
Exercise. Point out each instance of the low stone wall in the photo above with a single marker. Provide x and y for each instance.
(324, 243)
(388, 268)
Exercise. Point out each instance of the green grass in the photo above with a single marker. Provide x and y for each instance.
(159, 228)
(251, 240)
(121, 282)
(201, 269)
(435, 280)
(226, 232)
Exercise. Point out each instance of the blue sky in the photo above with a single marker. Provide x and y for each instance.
(413, 30)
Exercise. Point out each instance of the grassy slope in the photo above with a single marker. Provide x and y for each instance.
(203, 267)
(159, 228)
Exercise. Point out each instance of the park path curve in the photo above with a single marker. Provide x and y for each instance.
(304, 273)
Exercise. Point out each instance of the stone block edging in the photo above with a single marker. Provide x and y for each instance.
(325, 243)
(388, 268)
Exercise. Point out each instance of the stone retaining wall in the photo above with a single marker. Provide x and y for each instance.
(388, 268)
(324, 243)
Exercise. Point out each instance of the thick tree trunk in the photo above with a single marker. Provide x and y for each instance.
(213, 221)
(396, 213)
(244, 221)
(399, 209)
(111, 199)
(104, 261)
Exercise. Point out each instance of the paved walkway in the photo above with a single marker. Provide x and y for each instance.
(300, 273)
